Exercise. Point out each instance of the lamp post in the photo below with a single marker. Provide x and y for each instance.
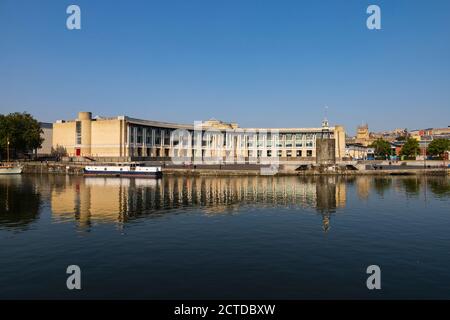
(425, 156)
(7, 148)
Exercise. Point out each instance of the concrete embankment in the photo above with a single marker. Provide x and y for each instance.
(77, 169)
(224, 172)
(52, 168)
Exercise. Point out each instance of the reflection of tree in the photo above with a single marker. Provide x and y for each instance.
(411, 185)
(440, 186)
(381, 184)
(19, 203)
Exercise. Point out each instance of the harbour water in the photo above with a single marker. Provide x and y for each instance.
(224, 237)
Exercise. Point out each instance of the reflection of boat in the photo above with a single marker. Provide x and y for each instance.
(10, 169)
(107, 182)
(145, 183)
(119, 182)
(123, 171)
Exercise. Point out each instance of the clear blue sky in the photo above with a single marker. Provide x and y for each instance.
(259, 63)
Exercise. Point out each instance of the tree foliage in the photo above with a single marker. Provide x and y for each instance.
(437, 147)
(22, 131)
(410, 148)
(382, 147)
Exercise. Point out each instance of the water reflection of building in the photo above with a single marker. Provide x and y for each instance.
(117, 200)
(363, 187)
(330, 196)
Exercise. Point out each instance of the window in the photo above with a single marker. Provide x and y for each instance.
(131, 134)
(279, 153)
(299, 144)
(260, 140)
(78, 132)
(309, 153)
(299, 153)
(158, 137)
(289, 153)
(250, 141)
(148, 136)
(139, 135)
(166, 137)
(309, 143)
(288, 145)
(269, 153)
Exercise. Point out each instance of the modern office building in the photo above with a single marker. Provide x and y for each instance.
(124, 138)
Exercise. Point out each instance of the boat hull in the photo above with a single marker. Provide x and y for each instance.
(10, 170)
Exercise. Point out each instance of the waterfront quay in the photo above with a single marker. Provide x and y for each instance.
(340, 168)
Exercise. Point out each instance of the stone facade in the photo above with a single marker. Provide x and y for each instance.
(129, 138)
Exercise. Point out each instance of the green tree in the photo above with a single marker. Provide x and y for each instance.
(22, 131)
(410, 148)
(382, 147)
(437, 147)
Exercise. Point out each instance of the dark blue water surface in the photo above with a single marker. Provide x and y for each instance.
(225, 237)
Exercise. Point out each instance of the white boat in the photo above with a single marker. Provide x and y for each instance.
(123, 171)
(7, 167)
(10, 169)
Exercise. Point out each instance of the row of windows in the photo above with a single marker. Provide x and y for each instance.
(259, 153)
(298, 153)
(162, 136)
